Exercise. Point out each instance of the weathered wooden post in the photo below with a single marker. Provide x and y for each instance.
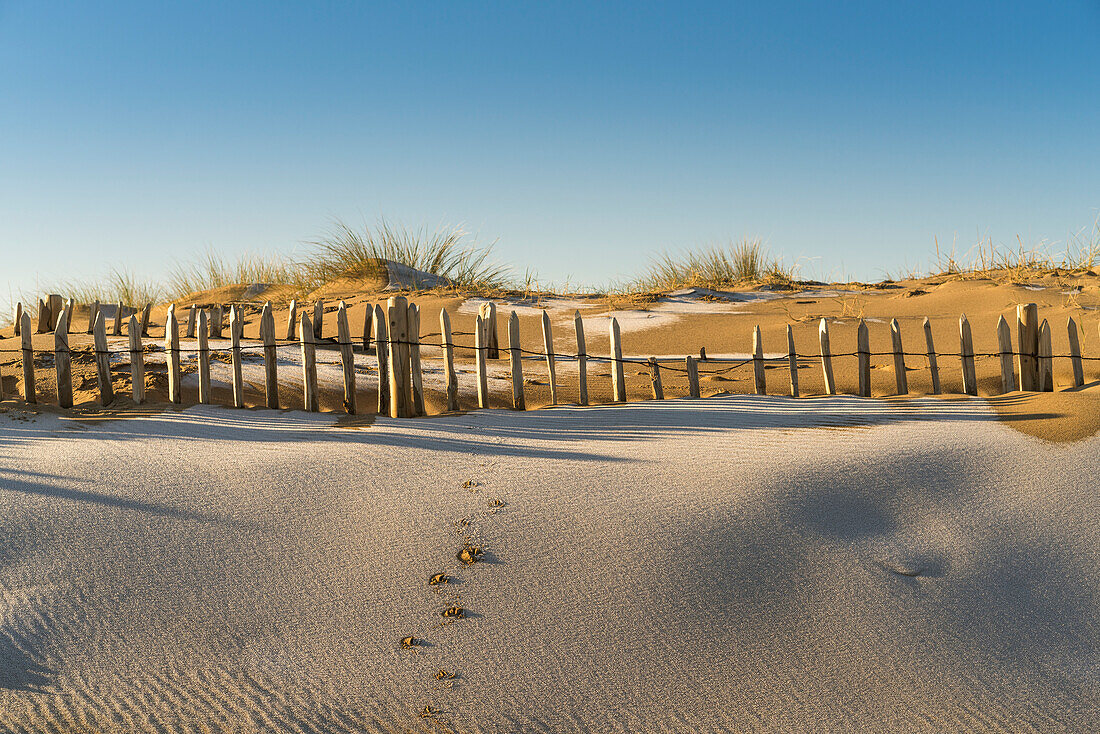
(116, 330)
(826, 358)
(548, 350)
(236, 329)
(102, 363)
(515, 357)
(145, 319)
(292, 319)
(56, 305)
(217, 315)
(318, 320)
(481, 336)
(792, 361)
(933, 365)
(398, 316)
(93, 312)
(693, 376)
(271, 355)
(582, 358)
(347, 357)
(863, 359)
(1075, 354)
(137, 363)
(758, 377)
(966, 341)
(1046, 359)
(417, 406)
(382, 352)
(192, 320)
(43, 317)
(204, 358)
(1004, 347)
(618, 376)
(899, 358)
(63, 366)
(488, 311)
(448, 360)
(1027, 336)
(309, 363)
(655, 379)
(367, 319)
(30, 394)
(172, 355)
(19, 318)
(70, 306)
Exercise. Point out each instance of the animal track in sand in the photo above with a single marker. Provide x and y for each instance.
(408, 643)
(470, 554)
(439, 578)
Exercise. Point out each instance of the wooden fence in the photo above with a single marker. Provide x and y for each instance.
(397, 342)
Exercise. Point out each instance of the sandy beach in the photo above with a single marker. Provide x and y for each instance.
(737, 563)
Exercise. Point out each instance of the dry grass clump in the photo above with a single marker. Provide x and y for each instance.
(715, 266)
(120, 286)
(1022, 263)
(214, 271)
(448, 252)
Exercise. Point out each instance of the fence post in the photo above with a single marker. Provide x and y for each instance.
(1004, 346)
(93, 312)
(69, 308)
(172, 354)
(63, 365)
(43, 318)
(826, 358)
(514, 357)
(414, 361)
(236, 328)
(398, 313)
(292, 319)
(30, 394)
(1075, 354)
(137, 363)
(488, 311)
(382, 353)
(145, 319)
(693, 376)
(1027, 337)
(863, 359)
(618, 377)
(966, 342)
(116, 330)
(548, 350)
(309, 363)
(217, 314)
(56, 306)
(758, 377)
(318, 320)
(271, 354)
(192, 319)
(655, 379)
(792, 361)
(933, 365)
(367, 319)
(480, 339)
(448, 361)
(582, 358)
(19, 318)
(1046, 360)
(102, 363)
(347, 357)
(204, 358)
(899, 358)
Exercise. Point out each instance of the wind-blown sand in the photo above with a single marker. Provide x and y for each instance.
(732, 564)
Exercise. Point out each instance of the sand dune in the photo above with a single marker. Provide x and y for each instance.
(732, 564)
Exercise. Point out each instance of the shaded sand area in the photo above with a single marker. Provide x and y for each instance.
(732, 564)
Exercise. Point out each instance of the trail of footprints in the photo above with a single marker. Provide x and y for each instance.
(470, 552)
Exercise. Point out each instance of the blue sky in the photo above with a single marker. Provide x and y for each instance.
(585, 137)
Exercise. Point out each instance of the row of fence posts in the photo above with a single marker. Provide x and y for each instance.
(396, 340)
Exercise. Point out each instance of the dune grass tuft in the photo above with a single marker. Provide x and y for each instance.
(447, 251)
(715, 266)
(214, 271)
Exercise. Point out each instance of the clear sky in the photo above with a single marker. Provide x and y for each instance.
(584, 136)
